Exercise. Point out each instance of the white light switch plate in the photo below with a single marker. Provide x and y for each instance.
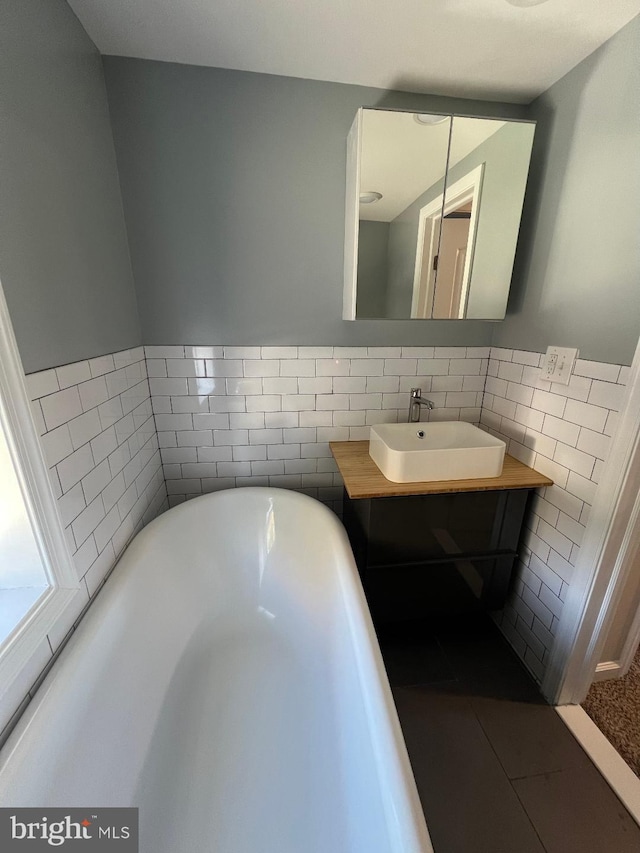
(558, 364)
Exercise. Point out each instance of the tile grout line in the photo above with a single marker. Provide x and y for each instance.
(529, 818)
(506, 775)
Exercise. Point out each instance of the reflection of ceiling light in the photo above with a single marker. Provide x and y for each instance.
(428, 118)
(526, 2)
(370, 198)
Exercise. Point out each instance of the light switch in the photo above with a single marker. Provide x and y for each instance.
(558, 364)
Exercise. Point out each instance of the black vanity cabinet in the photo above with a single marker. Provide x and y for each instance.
(433, 551)
(429, 551)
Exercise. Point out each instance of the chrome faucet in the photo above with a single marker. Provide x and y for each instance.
(415, 402)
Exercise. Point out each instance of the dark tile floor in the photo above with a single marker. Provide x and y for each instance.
(496, 768)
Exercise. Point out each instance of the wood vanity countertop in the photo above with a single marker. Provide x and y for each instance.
(363, 478)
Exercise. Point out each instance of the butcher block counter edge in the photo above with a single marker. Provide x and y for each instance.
(363, 479)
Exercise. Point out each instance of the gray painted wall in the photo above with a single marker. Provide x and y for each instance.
(506, 158)
(64, 260)
(577, 273)
(233, 186)
(403, 241)
(506, 164)
(373, 262)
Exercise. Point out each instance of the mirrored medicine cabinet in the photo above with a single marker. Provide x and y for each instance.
(433, 208)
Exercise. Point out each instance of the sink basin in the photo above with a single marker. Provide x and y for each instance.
(442, 450)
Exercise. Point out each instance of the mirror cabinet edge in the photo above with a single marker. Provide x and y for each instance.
(352, 207)
(352, 218)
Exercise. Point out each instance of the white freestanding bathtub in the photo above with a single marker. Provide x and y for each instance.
(228, 682)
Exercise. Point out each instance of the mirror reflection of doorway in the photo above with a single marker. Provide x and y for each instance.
(444, 251)
(427, 248)
(450, 263)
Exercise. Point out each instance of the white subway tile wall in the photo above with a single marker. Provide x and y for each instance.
(238, 416)
(116, 428)
(100, 443)
(563, 431)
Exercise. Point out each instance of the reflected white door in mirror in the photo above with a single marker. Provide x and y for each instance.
(432, 214)
(454, 222)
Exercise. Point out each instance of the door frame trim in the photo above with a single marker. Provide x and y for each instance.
(606, 559)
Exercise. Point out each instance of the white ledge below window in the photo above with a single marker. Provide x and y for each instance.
(25, 649)
(15, 604)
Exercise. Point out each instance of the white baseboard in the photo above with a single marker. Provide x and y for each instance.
(607, 669)
(613, 767)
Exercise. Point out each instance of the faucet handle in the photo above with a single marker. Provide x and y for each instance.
(416, 392)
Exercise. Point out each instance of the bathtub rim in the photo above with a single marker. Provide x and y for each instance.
(404, 817)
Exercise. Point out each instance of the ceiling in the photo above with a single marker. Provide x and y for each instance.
(401, 158)
(470, 48)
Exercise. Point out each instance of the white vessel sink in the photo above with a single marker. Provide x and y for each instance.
(442, 450)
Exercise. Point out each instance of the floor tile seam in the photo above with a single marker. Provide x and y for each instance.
(440, 682)
(517, 802)
(506, 775)
(541, 773)
(552, 773)
(448, 660)
(504, 645)
(529, 818)
(456, 678)
(504, 769)
(591, 764)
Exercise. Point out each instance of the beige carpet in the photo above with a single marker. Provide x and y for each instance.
(614, 706)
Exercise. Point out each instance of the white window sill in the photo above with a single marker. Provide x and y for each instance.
(14, 606)
(28, 651)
